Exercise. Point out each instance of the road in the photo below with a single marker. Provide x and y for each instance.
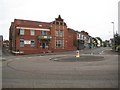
(38, 71)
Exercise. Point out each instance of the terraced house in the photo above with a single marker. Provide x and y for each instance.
(28, 36)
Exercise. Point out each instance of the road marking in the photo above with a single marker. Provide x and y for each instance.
(3, 58)
(41, 56)
(17, 58)
(91, 53)
(55, 59)
(29, 57)
(101, 52)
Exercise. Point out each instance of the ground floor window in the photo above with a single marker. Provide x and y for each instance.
(21, 42)
(32, 43)
(59, 43)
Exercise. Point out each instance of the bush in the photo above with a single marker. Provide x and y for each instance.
(117, 48)
(114, 47)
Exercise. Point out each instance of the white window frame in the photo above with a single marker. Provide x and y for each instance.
(21, 43)
(59, 43)
(44, 34)
(32, 45)
(22, 31)
(56, 33)
(61, 34)
(32, 32)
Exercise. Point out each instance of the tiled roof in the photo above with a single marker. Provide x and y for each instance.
(70, 29)
(32, 24)
(83, 32)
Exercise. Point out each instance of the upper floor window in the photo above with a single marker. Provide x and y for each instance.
(57, 23)
(21, 31)
(21, 42)
(83, 37)
(44, 33)
(61, 23)
(61, 33)
(32, 32)
(32, 43)
(57, 33)
(78, 35)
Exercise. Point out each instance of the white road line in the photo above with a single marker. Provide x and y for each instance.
(55, 59)
(91, 53)
(29, 57)
(41, 56)
(3, 58)
(17, 58)
(101, 52)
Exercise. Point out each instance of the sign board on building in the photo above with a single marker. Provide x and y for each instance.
(27, 42)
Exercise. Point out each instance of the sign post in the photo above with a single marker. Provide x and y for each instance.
(77, 53)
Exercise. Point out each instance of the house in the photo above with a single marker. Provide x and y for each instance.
(28, 36)
(6, 43)
(80, 41)
(84, 40)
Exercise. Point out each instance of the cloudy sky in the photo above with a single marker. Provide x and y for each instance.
(93, 16)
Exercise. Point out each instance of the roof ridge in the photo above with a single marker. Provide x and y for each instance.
(32, 21)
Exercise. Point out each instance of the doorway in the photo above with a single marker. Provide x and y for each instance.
(43, 45)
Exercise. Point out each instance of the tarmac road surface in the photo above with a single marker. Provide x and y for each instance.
(41, 72)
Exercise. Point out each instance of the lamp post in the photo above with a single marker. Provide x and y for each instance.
(113, 33)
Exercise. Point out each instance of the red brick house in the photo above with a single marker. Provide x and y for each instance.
(28, 36)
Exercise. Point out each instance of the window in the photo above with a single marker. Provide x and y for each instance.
(59, 43)
(57, 33)
(61, 23)
(44, 33)
(21, 43)
(57, 23)
(21, 31)
(61, 33)
(83, 37)
(80, 36)
(32, 43)
(32, 32)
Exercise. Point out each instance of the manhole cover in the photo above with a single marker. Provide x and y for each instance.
(78, 59)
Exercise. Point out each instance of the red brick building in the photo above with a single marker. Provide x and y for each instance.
(28, 36)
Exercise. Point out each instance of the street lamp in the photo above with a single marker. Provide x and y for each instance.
(113, 29)
(113, 33)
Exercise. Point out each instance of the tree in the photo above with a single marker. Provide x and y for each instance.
(117, 39)
(100, 40)
(94, 41)
(116, 42)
